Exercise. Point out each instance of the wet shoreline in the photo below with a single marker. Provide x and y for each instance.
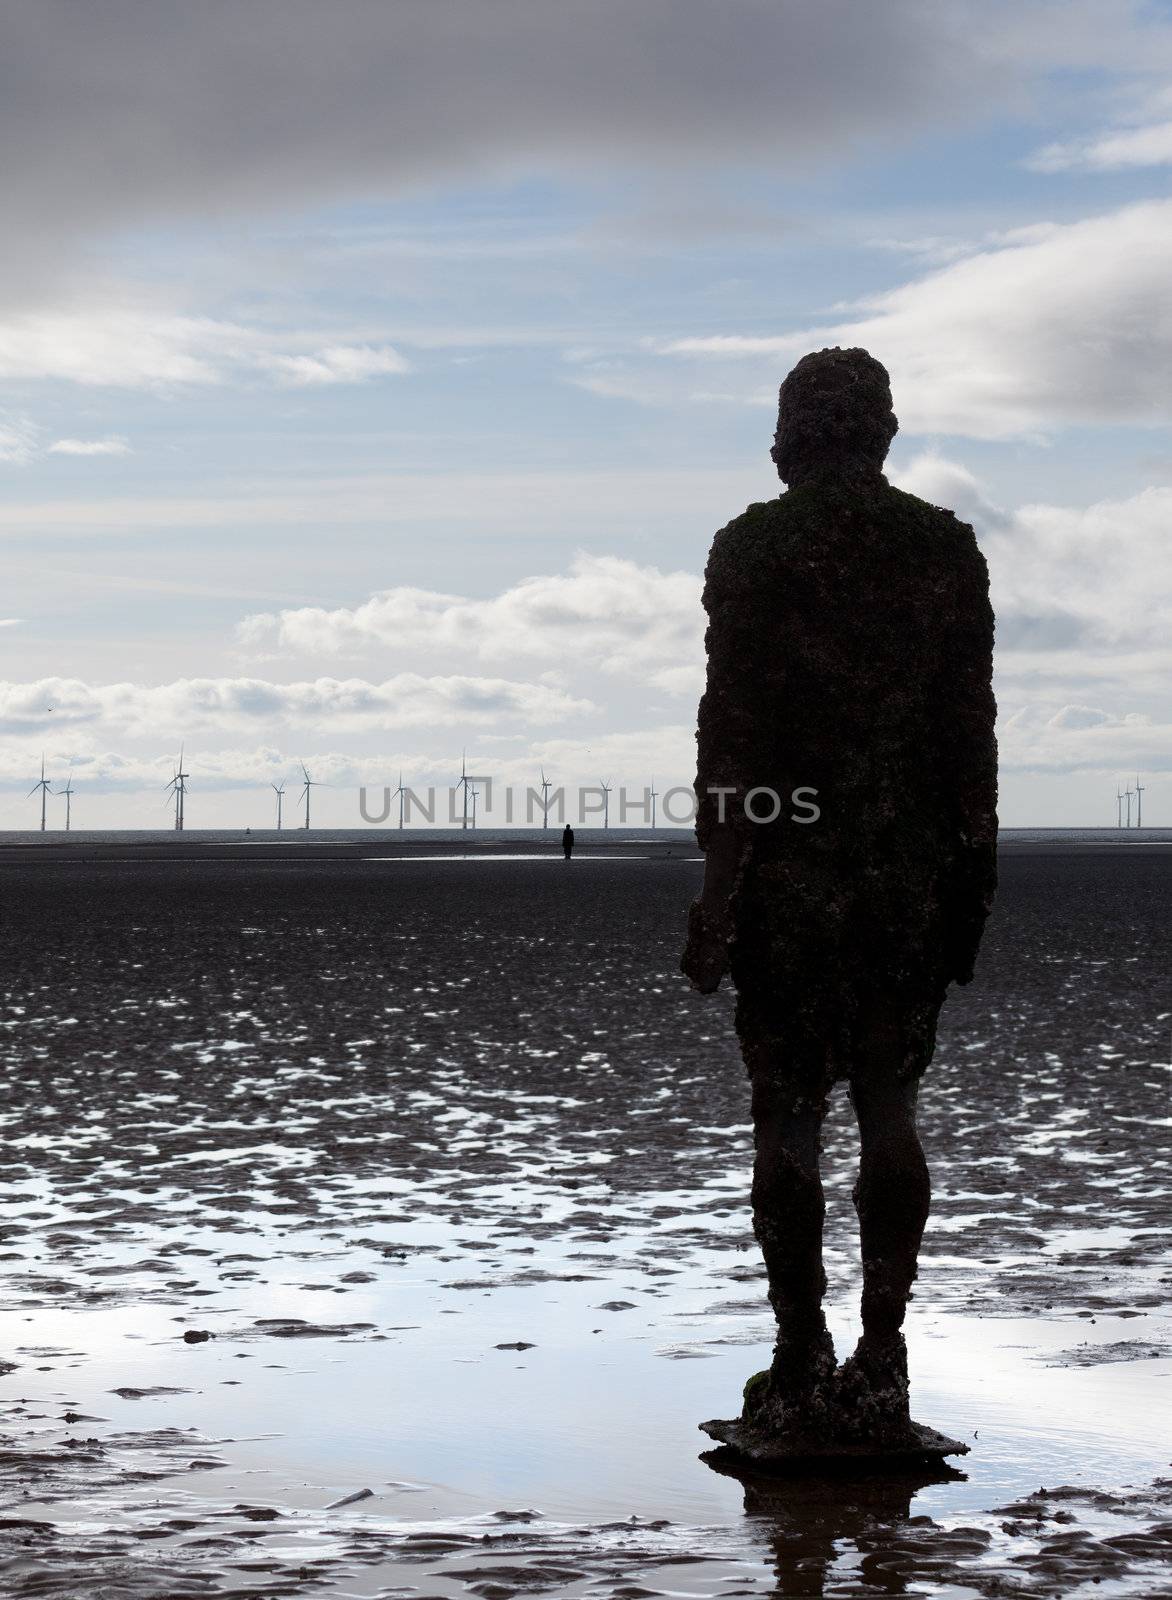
(470, 1107)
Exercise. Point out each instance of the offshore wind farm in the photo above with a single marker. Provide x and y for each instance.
(425, 805)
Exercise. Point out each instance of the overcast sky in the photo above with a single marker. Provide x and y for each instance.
(374, 374)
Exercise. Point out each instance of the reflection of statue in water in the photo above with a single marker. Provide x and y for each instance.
(807, 1522)
(849, 652)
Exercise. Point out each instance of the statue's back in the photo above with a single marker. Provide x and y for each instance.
(850, 650)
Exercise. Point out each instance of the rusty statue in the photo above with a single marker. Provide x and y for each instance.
(847, 796)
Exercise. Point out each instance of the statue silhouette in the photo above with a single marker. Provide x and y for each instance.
(849, 653)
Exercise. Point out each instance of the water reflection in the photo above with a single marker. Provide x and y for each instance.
(819, 1528)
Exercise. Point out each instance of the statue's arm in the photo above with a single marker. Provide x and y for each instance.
(724, 744)
(967, 752)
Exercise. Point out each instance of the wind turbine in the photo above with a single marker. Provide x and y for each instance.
(178, 785)
(1139, 804)
(1119, 806)
(310, 783)
(280, 794)
(475, 793)
(654, 797)
(402, 794)
(463, 784)
(545, 788)
(42, 784)
(68, 793)
(606, 804)
(1127, 797)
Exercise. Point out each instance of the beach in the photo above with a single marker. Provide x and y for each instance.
(411, 1164)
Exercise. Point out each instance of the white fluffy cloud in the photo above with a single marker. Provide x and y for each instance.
(1055, 324)
(340, 364)
(1083, 596)
(606, 614)
(104, 344)
(1080, 738)
(1100, 574)
(408, 700)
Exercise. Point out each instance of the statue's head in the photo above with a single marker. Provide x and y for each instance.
(835, 420)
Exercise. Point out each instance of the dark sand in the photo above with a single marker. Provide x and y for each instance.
(452, 1166)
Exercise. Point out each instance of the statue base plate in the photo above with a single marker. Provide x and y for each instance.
(921, 1446)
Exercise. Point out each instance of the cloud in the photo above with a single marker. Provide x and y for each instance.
(112, 109)
(89, 447)
(1089, 587)
(1081, 717)
(18, 440)
(408, 700)
(571, 502)
(943, 482)
(340, 364)
(1108, 564)
(1056, 324)
(1109, 152)
(1083, 739)
(105, 343)
(111, 345)
(605, 615)
(1083, 600)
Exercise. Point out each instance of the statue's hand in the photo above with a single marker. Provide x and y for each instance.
(705, 957)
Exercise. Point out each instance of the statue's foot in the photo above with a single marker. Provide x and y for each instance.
(847, 1419)
(790, 1407)
(871, 1393)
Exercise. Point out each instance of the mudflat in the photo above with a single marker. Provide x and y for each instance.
(380, 1227)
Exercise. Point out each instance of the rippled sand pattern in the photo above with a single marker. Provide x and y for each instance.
(405, 1140)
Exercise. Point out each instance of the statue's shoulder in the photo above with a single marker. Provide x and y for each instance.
(938, 524)
(754, 542)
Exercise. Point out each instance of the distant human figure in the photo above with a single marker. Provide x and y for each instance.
(849, 653)
(567, 841)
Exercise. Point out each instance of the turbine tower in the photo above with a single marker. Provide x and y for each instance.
(463, 784)
(68, 793)
(545, 788)
(42, 784)
(402, 794)
(310, 783)
(475, 793)
(606, 804)
(654, 797)
(1139, 803)
(280, 794)
(1118, 806)
(1127, 797)
(178, 787)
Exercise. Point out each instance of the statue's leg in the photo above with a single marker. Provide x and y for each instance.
(789, 1105)
(893, 1043)
(891, 1197)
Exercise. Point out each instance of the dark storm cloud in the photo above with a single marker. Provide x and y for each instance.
(117, 110)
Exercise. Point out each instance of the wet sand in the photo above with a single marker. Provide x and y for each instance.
(451, 1166)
